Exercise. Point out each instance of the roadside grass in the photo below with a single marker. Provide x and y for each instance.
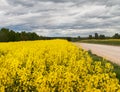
(115, 42)
(98, 58)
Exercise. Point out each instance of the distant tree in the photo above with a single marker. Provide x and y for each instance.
(11, 36)
(78, 38)
(90, 37)
(96, 36)
(34, 36)
(17, 36)
(24, 36)
(4, 35)
(102, 36)
(42, 38)
(67, 38)
(116, 36)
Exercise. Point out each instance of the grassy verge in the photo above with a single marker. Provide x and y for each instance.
(98, 58)
(115, 42)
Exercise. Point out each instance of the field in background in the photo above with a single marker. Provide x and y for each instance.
(53, 66)
(105, 41)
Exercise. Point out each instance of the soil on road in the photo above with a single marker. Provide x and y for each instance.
(108, 52)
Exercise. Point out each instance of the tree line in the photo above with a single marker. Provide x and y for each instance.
(100, 36)
(7, 35)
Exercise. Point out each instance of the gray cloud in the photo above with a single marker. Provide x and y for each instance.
(61, 17)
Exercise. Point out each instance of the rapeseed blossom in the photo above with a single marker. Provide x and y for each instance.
(52, 66)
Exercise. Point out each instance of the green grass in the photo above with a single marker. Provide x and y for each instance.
(115, 42)
(98, 58)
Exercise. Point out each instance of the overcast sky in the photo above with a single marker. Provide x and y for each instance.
(61, 17)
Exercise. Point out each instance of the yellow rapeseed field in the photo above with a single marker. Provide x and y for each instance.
(52, 66)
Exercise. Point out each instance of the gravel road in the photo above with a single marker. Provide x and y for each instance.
(111, 53)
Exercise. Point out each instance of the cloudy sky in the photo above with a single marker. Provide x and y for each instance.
(61, 17)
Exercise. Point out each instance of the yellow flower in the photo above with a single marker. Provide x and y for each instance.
(53, 65)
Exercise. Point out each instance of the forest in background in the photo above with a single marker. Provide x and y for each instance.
(7, 35)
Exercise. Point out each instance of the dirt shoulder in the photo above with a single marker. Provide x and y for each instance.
(111, 53)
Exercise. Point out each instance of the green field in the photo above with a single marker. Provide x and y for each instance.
(106, 41)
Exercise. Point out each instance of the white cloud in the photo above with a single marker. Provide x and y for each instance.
(61, 17)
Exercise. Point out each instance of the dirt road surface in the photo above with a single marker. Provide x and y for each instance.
(108, 52)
